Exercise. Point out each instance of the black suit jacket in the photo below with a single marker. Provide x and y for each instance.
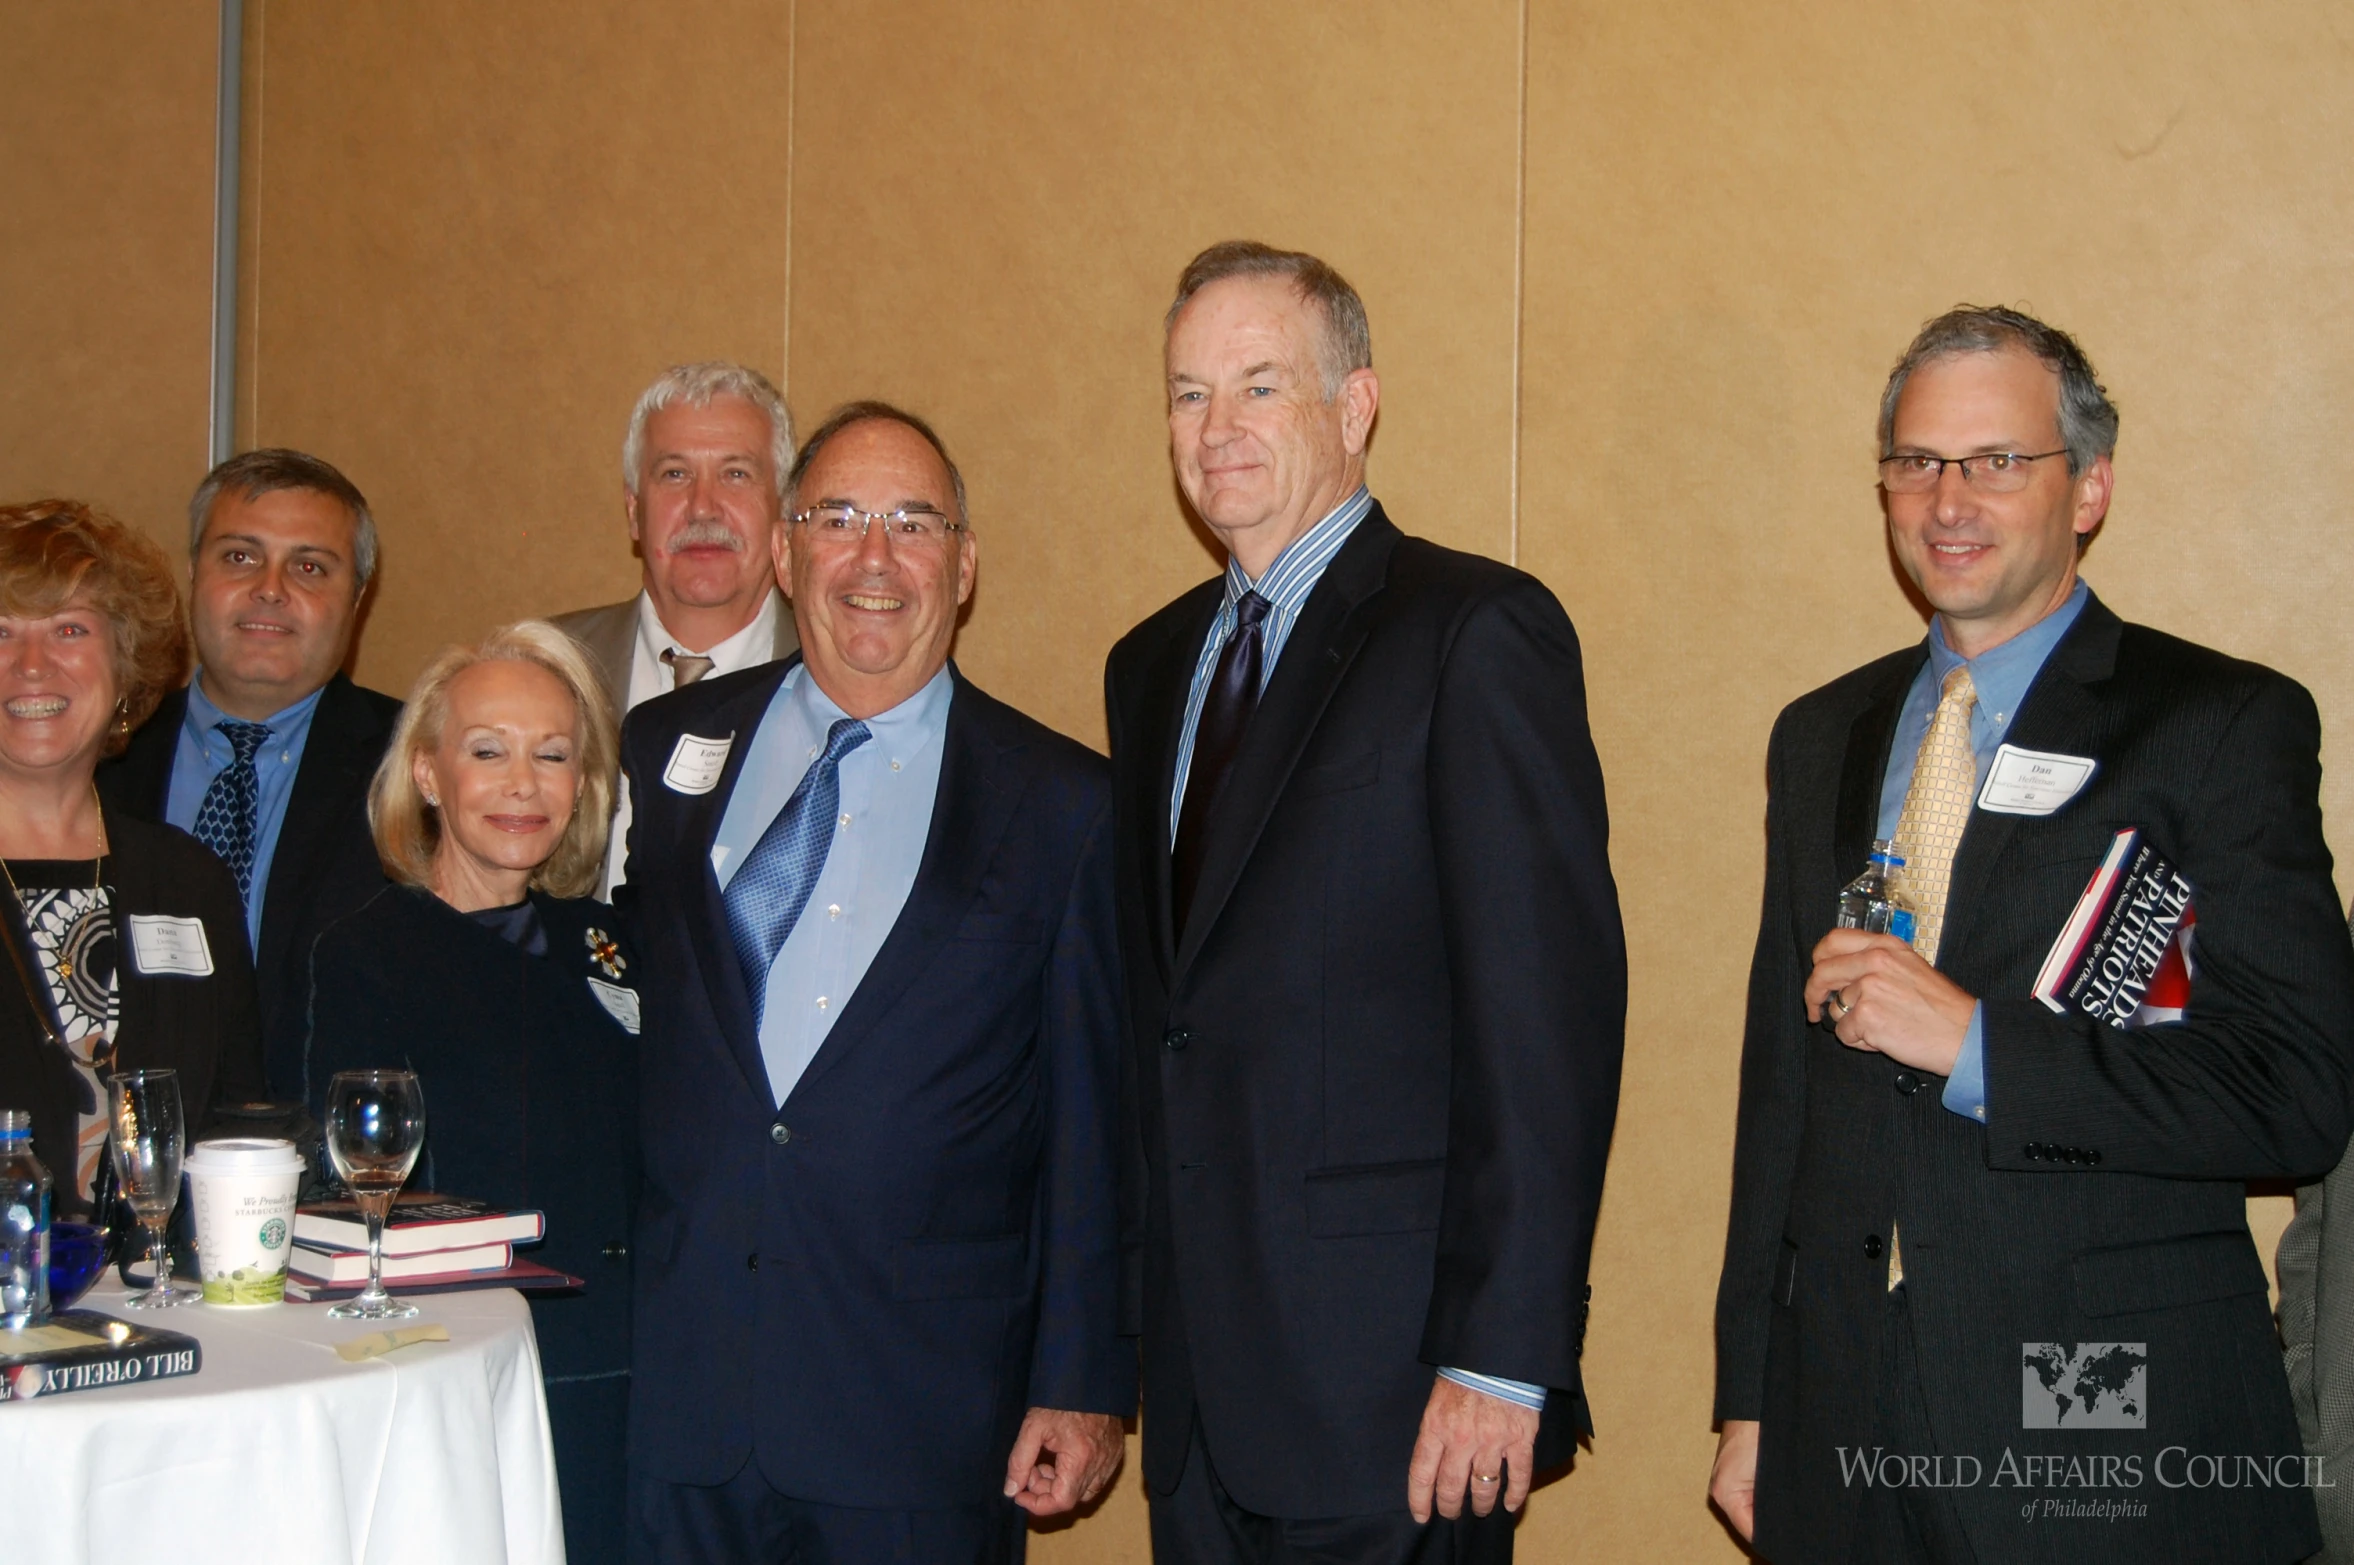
(530, 1101)
(864, 1289)
(202, 1027)
(1374, 1078)
(2136, 1231)
(325, 863)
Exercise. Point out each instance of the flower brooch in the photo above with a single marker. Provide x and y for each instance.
(606, 953)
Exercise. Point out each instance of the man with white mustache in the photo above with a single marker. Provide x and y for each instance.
(702, 469)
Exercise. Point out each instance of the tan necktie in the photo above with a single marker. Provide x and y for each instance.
(1936, 809)
(685, 667)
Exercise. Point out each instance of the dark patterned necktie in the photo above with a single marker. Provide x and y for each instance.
(1226, 713)
(765, 899)
(229, 818)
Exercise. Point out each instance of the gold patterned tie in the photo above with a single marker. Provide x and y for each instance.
(685, 667)
(1936, 809)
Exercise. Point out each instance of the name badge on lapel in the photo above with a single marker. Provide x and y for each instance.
(695, 763)
(621, 1004)
(161, 945)
(2033, 782)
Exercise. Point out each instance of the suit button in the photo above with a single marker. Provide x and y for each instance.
(2033, 1151)
(752, 1262)
(616, 1251)
(779, 1134)
(1176, 1037)
(1873, 1248)
(1907, 1083)
(2094, 1156)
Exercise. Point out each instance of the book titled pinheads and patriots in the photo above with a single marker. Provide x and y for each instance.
(2126, 955)
(432, 1244)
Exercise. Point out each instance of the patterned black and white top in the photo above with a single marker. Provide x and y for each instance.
(71, 920)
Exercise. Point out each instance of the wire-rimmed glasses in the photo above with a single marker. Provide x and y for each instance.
(847, 525)
(1992, 472)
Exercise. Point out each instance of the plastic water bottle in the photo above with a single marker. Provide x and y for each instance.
(1872, 901)
(24, 1226)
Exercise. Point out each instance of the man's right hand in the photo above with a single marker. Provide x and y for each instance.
(1732, 1483)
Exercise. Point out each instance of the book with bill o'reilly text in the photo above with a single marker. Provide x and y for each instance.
(2127, 954)
(83, 1350)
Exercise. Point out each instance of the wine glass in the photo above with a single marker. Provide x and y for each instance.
(149, 1136)
(375, 1129)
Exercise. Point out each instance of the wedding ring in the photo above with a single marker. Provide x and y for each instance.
(1840, 1001)
(1485, 1477)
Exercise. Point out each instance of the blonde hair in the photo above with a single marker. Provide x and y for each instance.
(408, 830)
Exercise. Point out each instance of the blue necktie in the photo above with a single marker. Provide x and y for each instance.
(765, 899)
(229, 818)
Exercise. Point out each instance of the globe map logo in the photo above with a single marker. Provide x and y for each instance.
(2084, 1385)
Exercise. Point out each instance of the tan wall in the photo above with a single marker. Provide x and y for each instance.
(473, 233)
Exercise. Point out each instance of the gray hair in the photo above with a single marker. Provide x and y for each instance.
(695, 385)
(274, 468)
(2088, 419)
(1346, 342)
(870, 411)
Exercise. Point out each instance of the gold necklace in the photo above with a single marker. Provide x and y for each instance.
(65, 964)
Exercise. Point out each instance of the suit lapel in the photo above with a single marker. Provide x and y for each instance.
(2055, 714)
(337, 760)
(1162, 709)
(1322, 644)
(977, 793)
(713, 946)
(1864, 771)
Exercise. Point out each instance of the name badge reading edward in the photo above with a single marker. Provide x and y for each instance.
(619, 1003)
(695, 763)
(162, 945)
(2033, 782)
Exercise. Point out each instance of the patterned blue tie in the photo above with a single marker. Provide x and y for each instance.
(230, 815)
(765, 899)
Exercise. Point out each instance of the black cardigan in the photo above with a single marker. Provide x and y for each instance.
(203, 1027)
(530, 1082)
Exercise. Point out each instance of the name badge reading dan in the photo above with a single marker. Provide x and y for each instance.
(695, 763)
(161, 945)
(619, 1003)
(2033, 782)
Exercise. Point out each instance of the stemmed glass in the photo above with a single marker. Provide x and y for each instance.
(375, 1129)
(149, 1137)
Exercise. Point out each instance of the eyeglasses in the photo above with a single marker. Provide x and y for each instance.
(1996, 472)
(847, 524)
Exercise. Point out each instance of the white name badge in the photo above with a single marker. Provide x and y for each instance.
(619, 1003)
(161, 944)
(695, 763)
(2033, 782)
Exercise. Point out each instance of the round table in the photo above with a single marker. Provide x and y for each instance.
(279, 1450)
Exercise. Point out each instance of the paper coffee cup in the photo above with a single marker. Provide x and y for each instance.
(244, 1192)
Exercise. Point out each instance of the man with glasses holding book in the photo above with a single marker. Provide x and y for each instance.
(877, 1258)
(1967, 1209)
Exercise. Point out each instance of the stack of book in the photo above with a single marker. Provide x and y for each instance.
(432, 1244)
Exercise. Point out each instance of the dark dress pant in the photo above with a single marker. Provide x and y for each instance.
(588, 1421)
(1905, 1526)
(1199, 1524)
(746, 1521)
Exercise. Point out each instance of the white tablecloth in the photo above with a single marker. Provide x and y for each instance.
(277, 1450)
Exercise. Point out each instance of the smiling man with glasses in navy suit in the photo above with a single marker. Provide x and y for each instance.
(877, 1261)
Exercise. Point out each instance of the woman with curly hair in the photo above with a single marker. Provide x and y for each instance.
(126, 940)
(489, 970)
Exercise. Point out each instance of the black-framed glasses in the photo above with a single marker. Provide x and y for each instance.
(1994, 472)
(847, 524)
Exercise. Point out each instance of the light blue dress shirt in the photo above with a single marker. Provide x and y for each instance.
(1286, 586)
(2001, 676)
(888, 787)
(204, 752)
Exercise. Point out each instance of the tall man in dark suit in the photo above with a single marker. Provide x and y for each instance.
(1945, 1191)
(266, 756)
(878, 1257)
(1377, 978)
(703, 485)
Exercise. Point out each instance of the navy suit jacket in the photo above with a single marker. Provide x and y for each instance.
(866, 1288)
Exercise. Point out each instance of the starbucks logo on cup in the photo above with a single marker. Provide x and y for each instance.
(274, 1233)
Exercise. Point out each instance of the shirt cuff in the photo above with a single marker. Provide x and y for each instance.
(1965, 1089)
(1519, 1391)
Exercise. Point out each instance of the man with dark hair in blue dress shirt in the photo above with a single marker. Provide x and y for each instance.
(878, 1249)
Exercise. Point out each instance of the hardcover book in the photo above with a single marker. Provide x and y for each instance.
(2126, 955)
(83, 1350)
(523, 1274)
(340, 1266)
(419, 1223)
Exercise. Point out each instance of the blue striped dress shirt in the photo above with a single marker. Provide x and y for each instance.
(1286, 587)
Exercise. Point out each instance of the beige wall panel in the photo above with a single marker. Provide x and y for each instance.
(1736, 219)
(477, 232)
(106, 177)
(991, 208)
